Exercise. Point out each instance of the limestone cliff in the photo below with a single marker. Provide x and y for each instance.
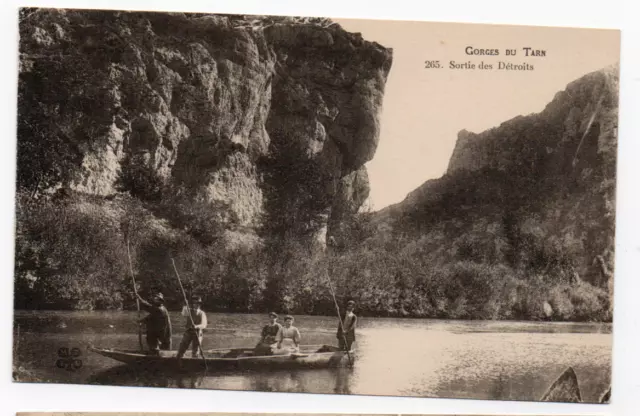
(216, 107)
(536, 193)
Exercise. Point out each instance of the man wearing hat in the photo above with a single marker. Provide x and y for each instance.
(196, 323)
(267, 342)
(158, 323)
(347, 328)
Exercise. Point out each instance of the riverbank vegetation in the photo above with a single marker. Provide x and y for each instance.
(71, 253)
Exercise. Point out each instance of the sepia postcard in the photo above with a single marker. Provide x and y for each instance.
(316, 205)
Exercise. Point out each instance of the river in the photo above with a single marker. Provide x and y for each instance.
(396, 357)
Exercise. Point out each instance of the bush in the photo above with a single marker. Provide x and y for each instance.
(71, 253)
(65, 256)
(587, 304)
(560, 301)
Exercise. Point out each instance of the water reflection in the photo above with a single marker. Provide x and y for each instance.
(335, 380)
(130, 376)
(343, 381)
(300, 381)
(192, 381)
(289, 381)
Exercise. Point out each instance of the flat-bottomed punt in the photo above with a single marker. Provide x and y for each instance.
(310, 356)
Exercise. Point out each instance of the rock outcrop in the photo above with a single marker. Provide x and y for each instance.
(207, 104)
(536, 193)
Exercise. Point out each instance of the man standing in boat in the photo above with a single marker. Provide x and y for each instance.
(347, 327)
(158, 323)
(196, 323)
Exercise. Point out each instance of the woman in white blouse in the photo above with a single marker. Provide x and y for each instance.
(288, 337)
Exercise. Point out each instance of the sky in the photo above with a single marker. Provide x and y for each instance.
(424, 109)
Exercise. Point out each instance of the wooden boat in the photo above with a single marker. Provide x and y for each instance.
(310, 356)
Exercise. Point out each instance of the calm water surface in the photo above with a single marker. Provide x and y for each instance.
(396, 357)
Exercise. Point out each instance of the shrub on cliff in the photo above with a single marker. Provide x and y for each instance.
(203, 220)
(140, 180)
(46, 154)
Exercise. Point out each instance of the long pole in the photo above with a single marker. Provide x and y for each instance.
(135, 291)
(344, 336)
(186, 301)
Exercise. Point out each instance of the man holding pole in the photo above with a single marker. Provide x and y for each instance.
(347, 328)
(196, 323)
(157, 322)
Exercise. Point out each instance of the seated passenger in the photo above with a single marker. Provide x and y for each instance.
(288, 337)
(268, 343)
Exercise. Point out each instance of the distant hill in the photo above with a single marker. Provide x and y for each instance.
(534, 195)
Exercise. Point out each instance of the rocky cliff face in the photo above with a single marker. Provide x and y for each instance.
(216, 107)
(577, 129)
(536, 193)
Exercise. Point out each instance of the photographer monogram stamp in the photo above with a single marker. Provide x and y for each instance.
(69, 358)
